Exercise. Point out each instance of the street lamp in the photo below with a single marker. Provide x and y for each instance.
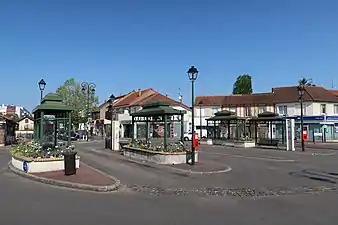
(111, 102)
(301, 91)
(42, 85)
(88, 88)
(192, 74)
(200, 104)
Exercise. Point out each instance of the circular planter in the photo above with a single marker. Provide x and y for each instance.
(32, 165)
(155, 156)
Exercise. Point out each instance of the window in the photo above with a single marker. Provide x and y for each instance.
(262, 109)
(283, 110)
(335, 108)
(214, 110)
(26, 121)
(323, 108)
(248, 111)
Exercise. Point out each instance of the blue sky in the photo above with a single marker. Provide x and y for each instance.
(125, 45)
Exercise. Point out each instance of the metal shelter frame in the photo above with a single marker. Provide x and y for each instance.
(158, 112)
(229, 118)
(268, 118)
(51, 111)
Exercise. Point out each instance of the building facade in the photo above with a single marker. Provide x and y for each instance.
(10, 110)
(25, 128)
(132, 102)
(320, 111)
(7, 130)
(249, 105)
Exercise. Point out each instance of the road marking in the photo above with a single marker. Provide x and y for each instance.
(251, 157)
(328, 153)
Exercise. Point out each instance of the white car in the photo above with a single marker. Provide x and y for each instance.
(187, 136)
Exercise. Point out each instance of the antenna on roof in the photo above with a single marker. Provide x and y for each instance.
(332, 85)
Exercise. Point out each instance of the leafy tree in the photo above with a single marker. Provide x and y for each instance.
(15, 117)
(306, 81)
(72, 95)
(243, 85)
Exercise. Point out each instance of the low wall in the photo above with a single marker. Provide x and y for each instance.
(156, 157)
(234, 143)
(30, 165)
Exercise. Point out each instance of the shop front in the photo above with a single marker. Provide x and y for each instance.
(319, 128)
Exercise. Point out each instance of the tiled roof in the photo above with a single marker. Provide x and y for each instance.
(228, 100)
(209, 100)
(26, 117)
(312, 93)
(278, 95)
(133, 96)
(159, 97)
(335, 92)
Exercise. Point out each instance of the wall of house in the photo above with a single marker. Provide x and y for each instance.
(310, 108)
(26, 125)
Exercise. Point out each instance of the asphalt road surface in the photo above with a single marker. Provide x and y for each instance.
(264, 187)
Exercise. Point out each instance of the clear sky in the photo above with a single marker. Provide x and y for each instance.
(131, 44)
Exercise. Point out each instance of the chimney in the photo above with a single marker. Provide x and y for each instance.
(139, 92)
(180, 98)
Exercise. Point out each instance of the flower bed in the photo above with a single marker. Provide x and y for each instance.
(31, 157)
(176, 153)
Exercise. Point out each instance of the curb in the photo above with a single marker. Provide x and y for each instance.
(159, 166)
(65, 184)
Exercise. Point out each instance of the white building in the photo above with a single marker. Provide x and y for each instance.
(320, 110)
(10, 110)
(25, 128)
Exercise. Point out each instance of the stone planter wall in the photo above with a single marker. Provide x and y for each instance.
(156, 157)
(234, 143)
(40, 165)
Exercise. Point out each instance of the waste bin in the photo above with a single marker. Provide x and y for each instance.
(108, 143)
(69, 162)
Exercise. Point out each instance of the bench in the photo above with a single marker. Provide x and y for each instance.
(268, 142)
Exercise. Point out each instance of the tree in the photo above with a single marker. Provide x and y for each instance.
(72, 95)
(243, 85)
(15, 117)
(306, 81)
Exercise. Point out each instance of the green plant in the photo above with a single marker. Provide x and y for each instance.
(33, 149)
(171, 147)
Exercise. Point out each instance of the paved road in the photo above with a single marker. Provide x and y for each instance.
(27, 202)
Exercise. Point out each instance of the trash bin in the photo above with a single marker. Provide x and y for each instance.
(107, 143)
(69, 162)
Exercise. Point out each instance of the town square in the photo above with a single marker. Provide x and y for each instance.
(143, 113)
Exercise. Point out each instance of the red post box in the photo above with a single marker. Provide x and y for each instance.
(305, 135)
(195, 140)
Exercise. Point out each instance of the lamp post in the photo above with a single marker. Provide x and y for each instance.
(192, 74)
(42, 85)
(200, 104)
(111, 102)
(301, 91)
(88, 88)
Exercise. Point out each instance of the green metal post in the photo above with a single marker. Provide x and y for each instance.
(132, 129)
(192, 122)
(165, 132)
(182, 127)
(41, 133)
(147, 130)
(237, 130)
